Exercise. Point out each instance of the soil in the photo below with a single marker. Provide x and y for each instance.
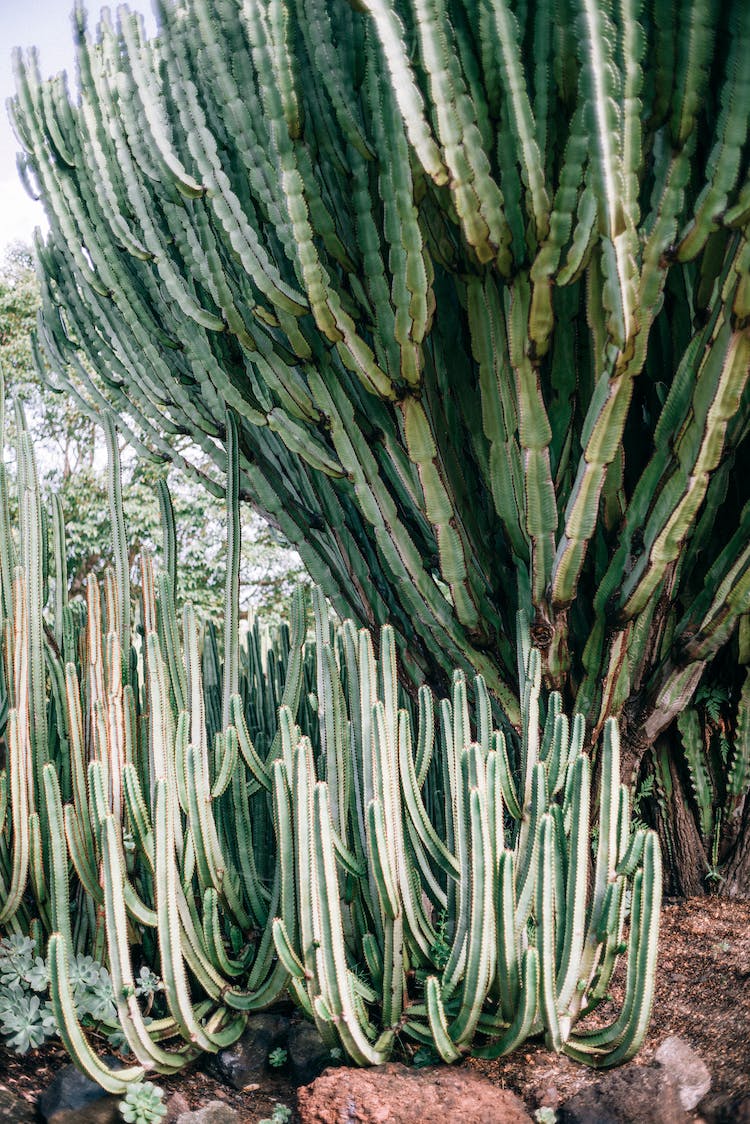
(702, 995)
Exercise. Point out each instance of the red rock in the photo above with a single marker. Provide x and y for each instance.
(394, 1094)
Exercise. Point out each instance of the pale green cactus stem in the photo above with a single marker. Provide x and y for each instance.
(325, 843)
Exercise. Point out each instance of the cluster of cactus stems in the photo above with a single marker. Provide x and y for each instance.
(286, 823)
(474, 278)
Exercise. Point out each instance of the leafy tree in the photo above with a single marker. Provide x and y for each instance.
(73, 465)
(475, 279)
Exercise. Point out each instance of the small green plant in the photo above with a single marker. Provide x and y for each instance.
(278, 1057)
(545, 1115)
(281, 1114)
(423, 1057)
(26, 1018)
(25, 1022)
(441, 949)
(143, 1104)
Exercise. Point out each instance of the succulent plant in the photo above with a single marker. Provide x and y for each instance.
(395, 866)
(143, 1104)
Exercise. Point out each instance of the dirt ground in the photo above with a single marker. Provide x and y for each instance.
(703, 995)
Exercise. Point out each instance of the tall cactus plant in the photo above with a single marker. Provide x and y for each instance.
(474, 279)
(405, 877)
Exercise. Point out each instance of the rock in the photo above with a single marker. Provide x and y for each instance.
(15, 1110)
(243, 1064)
(635, 1095)
(394, 1094)
(215, 1112)
(547, 1097)
(686, 1068)
(71, 1098)
(176, 1106)
(742, 1111)
(307, 1052)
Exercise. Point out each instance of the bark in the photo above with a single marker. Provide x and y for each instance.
(685, 858)
(736, 882)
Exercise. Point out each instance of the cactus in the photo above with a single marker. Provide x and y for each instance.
(473, 281)
(405, 881)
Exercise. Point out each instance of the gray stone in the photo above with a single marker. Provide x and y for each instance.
(215, 1112)
(72, 1098)
(244, 1064)
(632, 1095)
(686, 1068)
(307, 1052)
(15, 1110)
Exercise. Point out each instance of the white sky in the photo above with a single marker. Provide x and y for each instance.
(46, 25)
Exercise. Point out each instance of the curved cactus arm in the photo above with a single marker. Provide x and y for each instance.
(249, 754)
(258, 895)
(169, 537)
(61, 562)
(213, 938)
(170, 950)
(123, 983)
(390, 729)
(8, 557)
(525, 128)
(508, 971)
(169, 637)
(527, 850)
(60, 897)
(606, 853)
(19, 816)
(723, 166)
(546, 938)
(526, 1012)
(227, 763)
(505, 775)
(441, 1036)
(290, 698)
(479, 968)
(495, 809)
(621, 1041)
(37, 872)
(740, 764)
(213, 866)
(384, 874)
(138, 815)
(416, 810)
(499, 409)
(611, 933)
(3, 805)
(390, 30)
(556, 760)
(286, 952)
(719, 387)
(335, 976)
(73, 1038)
(691, 736)
(568, 971)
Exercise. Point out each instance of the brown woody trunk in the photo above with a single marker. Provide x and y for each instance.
(736, 883)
